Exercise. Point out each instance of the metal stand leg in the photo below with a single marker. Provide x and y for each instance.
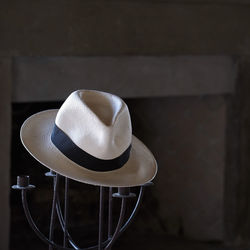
(119, 224)
(53, 210)
(110, 217)
(101, 218)
(123, 193)
(65, 238)
(132, 216)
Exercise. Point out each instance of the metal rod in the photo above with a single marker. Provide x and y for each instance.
(108, 243)
(65, 238)
(133, 214)
(110, 215)
(119, 224)
(74, 245)
(53, 210)
(39, 233)
(101, 205)
(122, 229)
(61, 220)
(33, 225)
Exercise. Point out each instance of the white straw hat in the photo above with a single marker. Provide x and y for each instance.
(89, 139)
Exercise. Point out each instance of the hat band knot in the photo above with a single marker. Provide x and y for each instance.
(84, 159)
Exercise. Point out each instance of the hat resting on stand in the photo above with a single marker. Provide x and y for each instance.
(89, 139)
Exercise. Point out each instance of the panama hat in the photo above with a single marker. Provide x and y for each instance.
(89, 139)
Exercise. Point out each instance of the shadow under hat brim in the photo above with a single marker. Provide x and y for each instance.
(35, 135)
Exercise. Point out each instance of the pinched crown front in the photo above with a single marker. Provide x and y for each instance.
(97, 122)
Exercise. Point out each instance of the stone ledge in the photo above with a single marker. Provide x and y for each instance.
(52, 78)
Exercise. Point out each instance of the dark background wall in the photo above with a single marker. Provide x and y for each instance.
(147, 28)
(125, 27)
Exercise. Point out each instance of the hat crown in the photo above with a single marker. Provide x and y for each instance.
(97, 122)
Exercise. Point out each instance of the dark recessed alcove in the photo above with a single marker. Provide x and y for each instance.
(151, 229)
(84, 203)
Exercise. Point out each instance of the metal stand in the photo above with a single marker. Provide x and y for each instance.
(104, 243)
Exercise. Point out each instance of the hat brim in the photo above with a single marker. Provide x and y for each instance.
(35, 135)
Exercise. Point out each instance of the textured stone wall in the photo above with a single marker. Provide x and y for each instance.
(146, 28)
(5, 134)
(189, 187)
(125, 27)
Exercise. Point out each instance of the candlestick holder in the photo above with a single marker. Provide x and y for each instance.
(104, 243)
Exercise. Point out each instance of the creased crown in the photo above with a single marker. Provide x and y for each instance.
(97, 122)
